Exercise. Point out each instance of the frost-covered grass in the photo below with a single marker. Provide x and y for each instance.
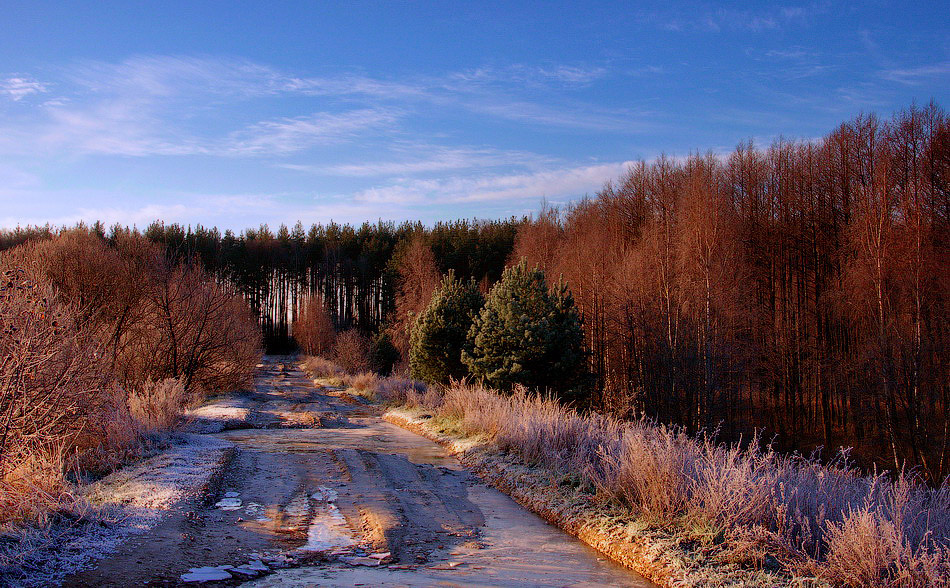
(747, 506)
(105, 513)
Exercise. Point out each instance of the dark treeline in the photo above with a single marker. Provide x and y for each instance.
(354, 270)
(801, 289)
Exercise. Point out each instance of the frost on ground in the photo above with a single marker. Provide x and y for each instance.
(609, 529)
(125, 503)
(220, 415)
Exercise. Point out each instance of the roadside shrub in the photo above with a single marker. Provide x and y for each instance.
(815, 520)
(352, 352)
(54, 393)
(364, 382)
(527, 335)
(313, 328)
(157, 406)
(153, 318)
(193, 330)
(99, 344)
(441, 331)
(319, 367)
(400, 391)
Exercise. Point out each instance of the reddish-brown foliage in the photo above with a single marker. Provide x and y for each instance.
(418, 279)
(801, 289)
(313, 328)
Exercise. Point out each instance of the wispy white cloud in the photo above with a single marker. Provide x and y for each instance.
(564, 75)
(288, 135)
(172, 105)
(19, 87)
(556, 183)
(795, 52)
(919, 74)
(719, 19)
(414, 159)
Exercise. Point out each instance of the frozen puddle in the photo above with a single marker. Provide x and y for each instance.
(328, 528)
(256, 511)
(229, 503)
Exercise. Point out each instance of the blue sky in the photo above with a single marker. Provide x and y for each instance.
(241, 113)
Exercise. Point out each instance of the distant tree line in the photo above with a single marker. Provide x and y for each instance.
(354, 271)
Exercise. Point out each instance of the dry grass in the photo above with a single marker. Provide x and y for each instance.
(319, 367)
(36, 490)
(404, 392)
(157, 406)
(749, 506)
(364, 383)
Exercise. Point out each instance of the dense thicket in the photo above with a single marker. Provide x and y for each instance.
(101, 343)
(801, 289)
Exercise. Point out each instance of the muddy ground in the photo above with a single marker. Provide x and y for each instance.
(320, 491)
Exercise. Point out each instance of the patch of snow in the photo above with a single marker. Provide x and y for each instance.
(255, 510)
(229, 503)
(231, 494)
(206, 574)
(360, 561)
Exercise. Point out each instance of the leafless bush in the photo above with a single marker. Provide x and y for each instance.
(319, 367)
(90, 333)
(363, 382)
(816, 519)
(157, 406)
(154, 319)
(352, 352)
(53, 390)
(194, 330)
(313, 327)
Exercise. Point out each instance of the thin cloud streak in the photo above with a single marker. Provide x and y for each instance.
(296, 134)
(433, 159)
(570, 182)
(917, 75)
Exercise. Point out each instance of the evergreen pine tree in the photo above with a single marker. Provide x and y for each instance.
(528, 335)
(441, 330)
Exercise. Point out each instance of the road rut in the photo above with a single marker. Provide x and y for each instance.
(324, 492)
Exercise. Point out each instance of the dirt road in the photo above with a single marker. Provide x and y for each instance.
(319, 490)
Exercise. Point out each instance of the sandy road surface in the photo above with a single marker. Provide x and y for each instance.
(319, 489)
